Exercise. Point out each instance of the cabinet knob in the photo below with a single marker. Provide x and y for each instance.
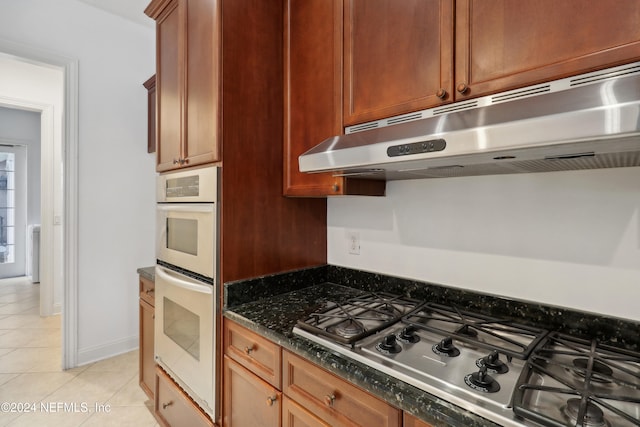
(271, 400)
(248, 350)
(462, 88)
(165, 405)
(328, 400)
(148, 291)
(335, 187)
(441, 93)
(176, 161)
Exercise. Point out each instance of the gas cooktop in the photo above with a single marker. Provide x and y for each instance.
(514, 375)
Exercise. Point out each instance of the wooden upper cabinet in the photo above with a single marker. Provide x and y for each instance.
(505, 44)
(187, 77)
(398, 57)
(313, 95)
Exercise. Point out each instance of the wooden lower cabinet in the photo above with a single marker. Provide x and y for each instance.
(173, 408)
(294, 415)
(332, 399)
(267, 386)
(411, 421)
(146, 354)
(248, 400)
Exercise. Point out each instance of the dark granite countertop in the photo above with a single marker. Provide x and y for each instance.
(271, 305)
(148, 273)
(274, 318)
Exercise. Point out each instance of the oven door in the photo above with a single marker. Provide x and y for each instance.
(184, 334)
(185, 236)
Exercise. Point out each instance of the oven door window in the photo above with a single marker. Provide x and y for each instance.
(182, 235)
(182, 326)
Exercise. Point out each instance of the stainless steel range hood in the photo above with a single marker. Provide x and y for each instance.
(584, 122)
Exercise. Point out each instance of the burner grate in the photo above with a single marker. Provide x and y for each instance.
(475, 329)
(358, 317)
(599, 384)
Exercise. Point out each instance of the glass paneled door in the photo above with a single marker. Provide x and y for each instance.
(13, 211)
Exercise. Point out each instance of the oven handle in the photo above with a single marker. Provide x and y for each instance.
(163, 273)
(203, 207)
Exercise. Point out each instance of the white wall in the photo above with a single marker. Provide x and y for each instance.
(562, 238)
(23, 127)
(116, 175)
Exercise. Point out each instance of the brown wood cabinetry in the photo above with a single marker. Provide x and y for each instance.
(313, 95)
(173, 407)
(261, 232)
(411, 421)
(332, 399)
(254, 352)
(146, 355)
(502, 45)
(249, 401)
(398, 57)
(150, 85)
(187, 70)
(294, 415)
(314, 397)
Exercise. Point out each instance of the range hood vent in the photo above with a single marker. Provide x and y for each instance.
(589, 121)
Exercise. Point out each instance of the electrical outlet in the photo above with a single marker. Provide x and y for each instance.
(353, 242)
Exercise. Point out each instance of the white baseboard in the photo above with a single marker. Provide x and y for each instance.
(104, 351)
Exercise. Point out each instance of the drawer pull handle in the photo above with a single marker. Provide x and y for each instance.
(165, 405)
(271, 400)
(328, 400)
(248, 350)
(148, 291)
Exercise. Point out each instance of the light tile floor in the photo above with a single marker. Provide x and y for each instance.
(35, 391)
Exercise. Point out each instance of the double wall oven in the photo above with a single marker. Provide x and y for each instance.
(186, 281)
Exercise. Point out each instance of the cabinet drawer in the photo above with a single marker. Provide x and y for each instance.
(173, 407)
(148, 291)
(259, 355)
(332, 399)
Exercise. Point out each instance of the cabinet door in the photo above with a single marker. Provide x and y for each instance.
(294, 415)
(313, 96)
(147, 360)
(505, 44)
(411, 421)
(202, 77)
(169, 69)
(248, 401)
(398, 57)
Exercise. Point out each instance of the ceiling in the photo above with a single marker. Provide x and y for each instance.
(132, 10)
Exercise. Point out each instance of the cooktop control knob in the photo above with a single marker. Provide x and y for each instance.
(408, 335)
(446, 348)
(482, 381)
(493, 363)
(388, 345)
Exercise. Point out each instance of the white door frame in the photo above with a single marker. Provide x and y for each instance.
(69, 218)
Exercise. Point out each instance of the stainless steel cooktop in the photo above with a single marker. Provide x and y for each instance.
(508, 373)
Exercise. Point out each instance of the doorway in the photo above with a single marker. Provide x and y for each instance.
(59, 189)
(13, 210)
